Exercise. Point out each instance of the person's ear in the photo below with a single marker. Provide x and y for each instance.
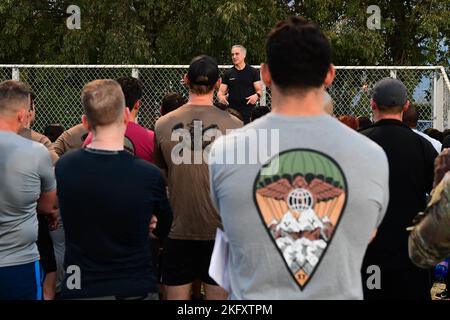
(186, 80)
(406, 106)
(218, 83)
(126, 116)
(265, 75)
(331, 73)
(85, 123)
(136, 106)
(22, 117)
(373, 105)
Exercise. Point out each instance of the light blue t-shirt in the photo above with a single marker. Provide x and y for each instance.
(25, 172)
(300, 218)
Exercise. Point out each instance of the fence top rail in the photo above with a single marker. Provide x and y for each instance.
(145, 66)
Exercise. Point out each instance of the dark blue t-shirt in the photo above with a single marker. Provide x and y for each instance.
(106, 202)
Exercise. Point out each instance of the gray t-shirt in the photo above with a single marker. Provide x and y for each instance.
(300, 218)
(25, 171)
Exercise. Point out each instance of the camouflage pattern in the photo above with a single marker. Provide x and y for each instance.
(429, 241)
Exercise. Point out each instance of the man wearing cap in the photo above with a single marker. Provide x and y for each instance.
(242, 83)
(411, 166)
(182, 142)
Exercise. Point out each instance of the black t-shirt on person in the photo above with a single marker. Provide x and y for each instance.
(106, 201)
(411, 173)
(240, 85)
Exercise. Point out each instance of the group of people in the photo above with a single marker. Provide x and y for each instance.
(112, 210)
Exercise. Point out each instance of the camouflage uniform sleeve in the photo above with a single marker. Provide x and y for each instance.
(429, 241)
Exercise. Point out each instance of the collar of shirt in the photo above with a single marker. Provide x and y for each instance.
(388, 122)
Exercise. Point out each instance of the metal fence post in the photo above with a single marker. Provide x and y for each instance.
(263, 100)
(393, 74)
(15, 74)
(135, 73)
(438, 102)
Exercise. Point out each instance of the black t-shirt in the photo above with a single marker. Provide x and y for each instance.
(411, 174)
(240, 85)
(106, 201)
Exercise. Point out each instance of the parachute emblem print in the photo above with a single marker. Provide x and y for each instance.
(301, 203)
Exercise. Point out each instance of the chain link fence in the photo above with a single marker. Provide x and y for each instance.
(57, 89)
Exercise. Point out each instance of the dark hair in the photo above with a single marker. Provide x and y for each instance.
(446, 133)
(132, 90)
(298, 55)
(12, 92)
(171, 102)
(53, 131)
(435, 134)
(411, 116)
(259, 112)
(349, 121)
(200, 88)
(103, 102)
(363, 122)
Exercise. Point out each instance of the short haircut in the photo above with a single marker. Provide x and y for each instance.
(435, 134)
(243, 49)
(14, 95)
(445, 133)
(132, 90)
(298, 55)
(103, 102)
(171, 102)
(411, 116)
(200, 89)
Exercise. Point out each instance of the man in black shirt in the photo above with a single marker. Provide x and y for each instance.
(411, 170)
(242, 83)
(107, 198)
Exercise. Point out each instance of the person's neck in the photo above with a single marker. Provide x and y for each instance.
(240, 66)
(110, 139)
(389, 116)
(8, 126)
(309, 104)
(201, 99)
(133, 115)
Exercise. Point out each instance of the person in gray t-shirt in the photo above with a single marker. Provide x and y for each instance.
(27, 186)
(301, 212)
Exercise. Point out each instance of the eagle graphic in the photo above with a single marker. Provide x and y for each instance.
(320, 189)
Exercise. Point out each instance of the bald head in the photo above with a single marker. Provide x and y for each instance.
(14, 97)
(103, 102)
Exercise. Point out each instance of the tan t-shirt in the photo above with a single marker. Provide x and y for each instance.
(182, 140)
(70, 139)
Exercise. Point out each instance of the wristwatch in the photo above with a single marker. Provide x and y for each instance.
(259, 96)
